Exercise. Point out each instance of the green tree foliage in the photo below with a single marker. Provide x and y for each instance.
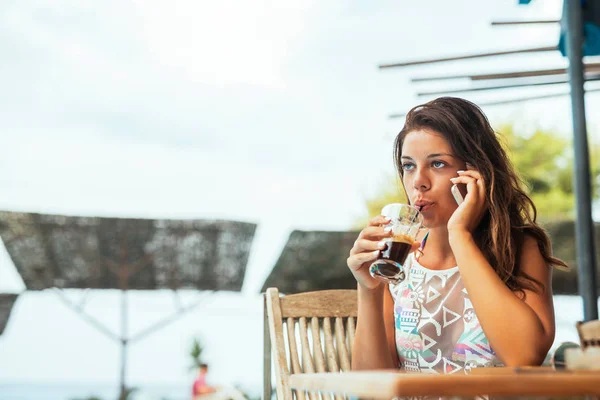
(544, 159)
(196, 354)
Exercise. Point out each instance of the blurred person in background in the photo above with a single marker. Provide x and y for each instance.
(200, 386)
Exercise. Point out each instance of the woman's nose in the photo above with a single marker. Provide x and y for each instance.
(421, 182)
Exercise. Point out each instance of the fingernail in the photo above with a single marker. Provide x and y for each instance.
(460, 172)
(388, 229)
(381, 244)
(453, 180)
(376, 253)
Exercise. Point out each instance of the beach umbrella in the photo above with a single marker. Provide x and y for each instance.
(64, 252)
(56, 251)
(313, 260)
(7, 301)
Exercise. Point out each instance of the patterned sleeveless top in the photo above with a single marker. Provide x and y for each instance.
(437, 330)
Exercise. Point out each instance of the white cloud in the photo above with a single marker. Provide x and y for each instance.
(228, 42)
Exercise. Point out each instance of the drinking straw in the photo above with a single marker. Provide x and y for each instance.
(424, 241)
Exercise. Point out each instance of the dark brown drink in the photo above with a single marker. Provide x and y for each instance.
(405, 221)
(397, 249)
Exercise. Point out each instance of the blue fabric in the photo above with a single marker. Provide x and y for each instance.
(591, 45)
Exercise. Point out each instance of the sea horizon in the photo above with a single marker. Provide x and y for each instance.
(84, 391)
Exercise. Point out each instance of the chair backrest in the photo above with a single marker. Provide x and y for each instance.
(309, 332)
(589, 333)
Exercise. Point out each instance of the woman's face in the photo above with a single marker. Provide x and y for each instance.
(428, 163)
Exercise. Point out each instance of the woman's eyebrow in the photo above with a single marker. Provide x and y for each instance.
(430, 156)
(439, 155)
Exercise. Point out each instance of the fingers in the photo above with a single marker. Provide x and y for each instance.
(472, 173)
(378, 220)
(479, 180)
(471, 184)
(473, 180)
(371, 239)
(355, 261)
(375, 232)
(362, 245)
(415, 246)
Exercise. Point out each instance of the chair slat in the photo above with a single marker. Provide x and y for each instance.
(340, 339)
(317, 349)
(294, 358)
(329, 348)
(350, 335)
(293, 348)
(276, 332)
(307, 360)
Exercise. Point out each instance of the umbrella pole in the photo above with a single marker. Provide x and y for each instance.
(584, 227)
(124, 340)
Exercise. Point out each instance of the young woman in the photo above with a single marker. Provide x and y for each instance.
(479, 293)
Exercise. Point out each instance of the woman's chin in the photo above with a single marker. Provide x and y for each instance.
(433, 223)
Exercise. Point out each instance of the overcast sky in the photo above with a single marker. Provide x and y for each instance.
(268, 112)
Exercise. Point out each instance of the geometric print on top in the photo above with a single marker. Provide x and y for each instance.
(437, 330)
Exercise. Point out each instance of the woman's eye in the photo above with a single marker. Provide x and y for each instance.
(438, 164)
(407, 166)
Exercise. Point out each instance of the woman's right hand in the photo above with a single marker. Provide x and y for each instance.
(366, 250)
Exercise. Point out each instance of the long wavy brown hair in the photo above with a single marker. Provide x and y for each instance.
(511, 214)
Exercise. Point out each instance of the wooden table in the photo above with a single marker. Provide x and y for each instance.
(508, 382)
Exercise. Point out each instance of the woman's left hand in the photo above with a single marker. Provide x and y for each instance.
(468, 214)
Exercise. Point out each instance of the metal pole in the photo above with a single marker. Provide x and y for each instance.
(468, 56)
(512, 101)
(490, 87)
(124, 340)
(546, 21)
(166, 321)
(86, 317)
(584, 227)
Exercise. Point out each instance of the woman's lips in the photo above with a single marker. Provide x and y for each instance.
(423, 206)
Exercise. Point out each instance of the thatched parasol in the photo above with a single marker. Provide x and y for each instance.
(114, 253)
(7, 301)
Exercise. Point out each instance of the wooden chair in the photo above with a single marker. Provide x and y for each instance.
(310, 332)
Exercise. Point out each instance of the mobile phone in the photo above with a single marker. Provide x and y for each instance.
(457, 194)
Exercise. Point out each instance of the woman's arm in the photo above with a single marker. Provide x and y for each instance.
(390, 326)
(520, 330)
(372, 346)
